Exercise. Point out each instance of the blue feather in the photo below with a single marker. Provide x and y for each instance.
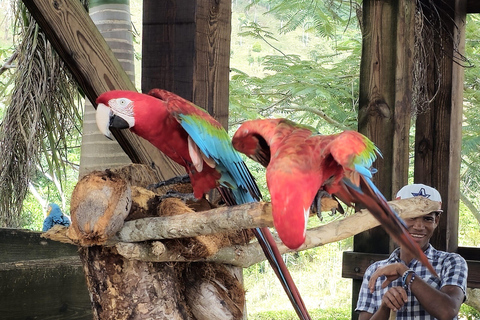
(215, 143)
(55, 216)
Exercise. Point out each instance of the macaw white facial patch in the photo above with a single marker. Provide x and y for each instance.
(123, 108)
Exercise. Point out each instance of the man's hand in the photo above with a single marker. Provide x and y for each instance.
(391, 271)
(394, 298)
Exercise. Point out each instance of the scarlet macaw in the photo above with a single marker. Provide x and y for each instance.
(301, 163)
(192, 138)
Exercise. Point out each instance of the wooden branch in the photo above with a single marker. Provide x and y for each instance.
(247, 216)
(247, 255)
(223, 219)
(210, 235)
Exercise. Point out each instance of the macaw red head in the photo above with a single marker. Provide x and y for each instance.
(292, 195)
(115, 109)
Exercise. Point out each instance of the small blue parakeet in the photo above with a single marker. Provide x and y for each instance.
(55, 216)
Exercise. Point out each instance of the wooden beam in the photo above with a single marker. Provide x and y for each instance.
(18, 245)
(186, 50)
(77, 40)
(355, 264)
(473, 6)
(41, 278)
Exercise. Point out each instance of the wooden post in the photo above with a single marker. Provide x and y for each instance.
(385, 104)
(438, 129)
(186, 50)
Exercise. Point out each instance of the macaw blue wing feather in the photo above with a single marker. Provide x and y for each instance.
(214, 143)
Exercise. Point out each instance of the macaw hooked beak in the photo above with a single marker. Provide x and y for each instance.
(106, 119)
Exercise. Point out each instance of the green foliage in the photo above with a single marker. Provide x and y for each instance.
(318, 314)
(42, 121)
(468, 228)
(468, 313)
(300, 82)
(317, 274)
(257, 47)
(317, 83)
(470, 173)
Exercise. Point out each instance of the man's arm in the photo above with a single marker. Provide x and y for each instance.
(442, 304)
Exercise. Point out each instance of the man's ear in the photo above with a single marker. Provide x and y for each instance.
(437, 219)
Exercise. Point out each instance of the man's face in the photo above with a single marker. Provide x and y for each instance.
(421, 228)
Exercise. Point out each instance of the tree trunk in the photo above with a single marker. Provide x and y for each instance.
(131, 289)
(124, 287)
(113, 22)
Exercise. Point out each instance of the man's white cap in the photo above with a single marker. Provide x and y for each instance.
(418, 189)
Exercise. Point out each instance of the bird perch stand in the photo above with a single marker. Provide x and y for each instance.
(147, 257)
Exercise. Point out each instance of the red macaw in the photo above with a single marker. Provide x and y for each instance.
(301, 163)
(192, 138)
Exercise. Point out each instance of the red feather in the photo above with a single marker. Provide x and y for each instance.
(301, 163)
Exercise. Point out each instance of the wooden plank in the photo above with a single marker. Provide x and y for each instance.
(16, 244)
(469, 253)
(385, 101)
(473, 274)
(83, 49)
(41, 289)
(40, 278)
(377, 86)
(355, 264)
(405, 44)
(188, 51)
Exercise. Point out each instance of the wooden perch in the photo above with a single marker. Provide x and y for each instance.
(116, 254)
(219, 220)
(247, 255)
(192, 224)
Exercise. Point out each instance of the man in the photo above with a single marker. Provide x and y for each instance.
(402, 285)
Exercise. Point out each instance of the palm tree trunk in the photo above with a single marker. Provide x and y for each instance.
(113, 21)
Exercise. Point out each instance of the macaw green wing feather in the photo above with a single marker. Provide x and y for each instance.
(214, 143)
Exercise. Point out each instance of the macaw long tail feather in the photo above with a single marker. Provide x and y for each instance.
(375, 202)
(227, 195)
(270, 249)
(273, 255)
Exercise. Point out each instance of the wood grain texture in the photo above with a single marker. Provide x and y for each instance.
(223, 219)
(40, 278)
(188, 51)
(88, 57)
(377, 96)
(438, 129)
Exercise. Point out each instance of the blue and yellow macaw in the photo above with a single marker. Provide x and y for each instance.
(55, 216)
